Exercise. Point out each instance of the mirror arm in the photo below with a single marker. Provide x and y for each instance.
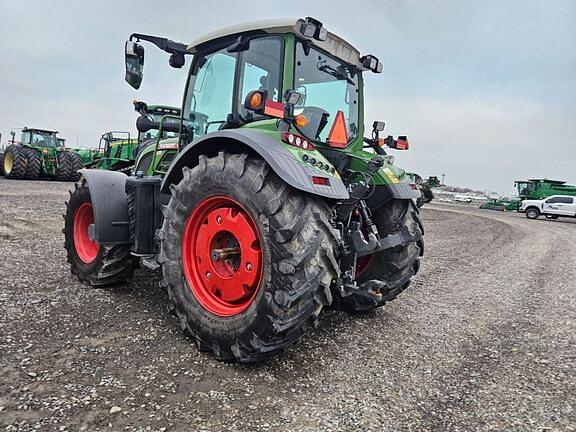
(164, 44)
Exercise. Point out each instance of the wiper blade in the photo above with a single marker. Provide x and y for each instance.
(335, 73)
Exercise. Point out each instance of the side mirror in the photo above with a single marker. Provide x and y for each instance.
(134, 59)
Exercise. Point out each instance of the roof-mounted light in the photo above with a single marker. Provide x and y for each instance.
(312, 29)
(372, 63)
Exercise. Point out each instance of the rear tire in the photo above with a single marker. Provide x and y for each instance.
(532, 213)
(295, 245)
(93, 264)
(33, 164)
(64, 168)
(76, 164)
(427, 196)
(396, 266)
(14, 163)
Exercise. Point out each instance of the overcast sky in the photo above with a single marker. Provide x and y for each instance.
(485, 90)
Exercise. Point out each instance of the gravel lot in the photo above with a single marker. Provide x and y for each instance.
(483, 340)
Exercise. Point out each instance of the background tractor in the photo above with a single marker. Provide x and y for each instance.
(40, 154)
(425, 187)
(118, 150)
(268, 204)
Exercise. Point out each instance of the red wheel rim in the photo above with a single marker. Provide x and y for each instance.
(222, 255)
(86, 248)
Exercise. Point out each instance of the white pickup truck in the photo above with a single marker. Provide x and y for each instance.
(552, 207)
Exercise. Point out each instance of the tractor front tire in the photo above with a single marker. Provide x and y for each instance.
(396, 266)
(64, 166)
(93, 264)
(14, 163)
(33, 163)
(277, 280)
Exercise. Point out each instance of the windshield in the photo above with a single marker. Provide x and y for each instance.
(328, 86)
(40, 138)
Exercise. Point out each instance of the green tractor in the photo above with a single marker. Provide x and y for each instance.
(425, 186)
(268, 205)
(40, 154)
(118, 150)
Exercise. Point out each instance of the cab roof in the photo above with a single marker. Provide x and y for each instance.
(39, 130)
(334, 44)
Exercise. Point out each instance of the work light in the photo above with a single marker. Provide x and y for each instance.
(312, 29)
(372, 63)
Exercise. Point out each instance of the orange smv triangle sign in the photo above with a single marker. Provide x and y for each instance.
(338, 136)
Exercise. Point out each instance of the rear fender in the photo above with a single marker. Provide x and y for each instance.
(110, 204)
(282, 162)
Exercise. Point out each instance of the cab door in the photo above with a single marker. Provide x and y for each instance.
(560, 205)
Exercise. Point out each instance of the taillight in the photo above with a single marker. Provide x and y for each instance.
(321, 181)
(414, 186)
(297, 141)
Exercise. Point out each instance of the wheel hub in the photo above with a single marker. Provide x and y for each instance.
(84, 243)
(222, 256)
(8, 163)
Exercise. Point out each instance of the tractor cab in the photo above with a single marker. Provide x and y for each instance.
(291, 79)
(277, 76)
(40, 138)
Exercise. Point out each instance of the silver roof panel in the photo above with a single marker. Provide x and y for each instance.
(334, 44)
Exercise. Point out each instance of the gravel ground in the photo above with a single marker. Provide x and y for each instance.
(483, 340)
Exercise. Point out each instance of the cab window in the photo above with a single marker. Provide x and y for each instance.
(560, 200)
(260, 70)
(212, 93)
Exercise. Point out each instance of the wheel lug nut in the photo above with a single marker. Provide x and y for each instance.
(208, 275)
(249, 267)
(219, 219)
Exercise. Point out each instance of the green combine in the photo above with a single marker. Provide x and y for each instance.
(532, 189)
(543, 188)
(40, 154)
(268, 204)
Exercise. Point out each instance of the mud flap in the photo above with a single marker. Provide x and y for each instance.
(110, 203)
